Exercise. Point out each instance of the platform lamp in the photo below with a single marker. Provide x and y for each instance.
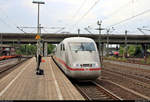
(39, 36)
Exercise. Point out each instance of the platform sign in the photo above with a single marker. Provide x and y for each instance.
(37, 37)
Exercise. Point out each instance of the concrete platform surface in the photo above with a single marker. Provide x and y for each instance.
(23, 83)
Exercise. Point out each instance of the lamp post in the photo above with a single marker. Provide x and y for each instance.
(38, 37)
(126, 47)
(78, 32)
(38, 20)
(108, 30)
(99, 24)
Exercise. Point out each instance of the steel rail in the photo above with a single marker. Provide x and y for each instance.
(82, 92)
(128, 89)
(107, 92)
(6, 68)
(103, 94)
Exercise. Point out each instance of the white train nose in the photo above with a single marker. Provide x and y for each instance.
(79, 59)
(85, 75)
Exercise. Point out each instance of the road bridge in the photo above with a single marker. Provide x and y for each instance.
(56, 38)
(26, 38)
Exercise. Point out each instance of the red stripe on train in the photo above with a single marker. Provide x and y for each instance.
(76, 69)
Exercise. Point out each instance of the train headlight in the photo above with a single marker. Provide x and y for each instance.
(95, 65)
(76, 65)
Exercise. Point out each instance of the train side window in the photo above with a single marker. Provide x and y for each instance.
(63, 47)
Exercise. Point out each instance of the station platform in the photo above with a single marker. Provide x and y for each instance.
(23, 83)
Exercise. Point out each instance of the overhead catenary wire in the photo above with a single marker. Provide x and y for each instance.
(45, 30)
(34, 30)
(127, 19)
(82, 3)
(60, 30)
(15, 25)
(78, 10)
(87, 12)
(141, 30)
(88, 30)
(81, 18)
(54, 32)
(10, 25)
(5, 23)
(119, 9)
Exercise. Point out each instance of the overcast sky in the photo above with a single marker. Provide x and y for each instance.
(74, 14)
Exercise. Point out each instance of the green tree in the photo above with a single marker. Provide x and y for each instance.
(121, 50)
(31, 49)
(50, 48)
(132, 50)
(26, 49)
(138, 52)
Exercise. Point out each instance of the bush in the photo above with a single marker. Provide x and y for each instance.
(132, 50)
(115, 59)
(148, 60)
(143, 61)
(121, 50)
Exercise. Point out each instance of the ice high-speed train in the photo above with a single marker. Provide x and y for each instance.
(78, 57)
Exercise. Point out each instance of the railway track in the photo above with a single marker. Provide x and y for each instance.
(2, 62)
(124, 85)
(93, 91)
(138, 87)
(141, 82)
(136, 77)
(121, 91)
(8, 68)
(138, 72)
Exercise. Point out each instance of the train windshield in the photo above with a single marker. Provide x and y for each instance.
(82, 46)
